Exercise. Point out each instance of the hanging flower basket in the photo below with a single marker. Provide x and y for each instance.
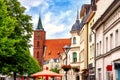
(66, 67)
(85, 73)
(76, 69)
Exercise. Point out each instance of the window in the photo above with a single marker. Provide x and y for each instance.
(37, 54)
(74, 40)
(90, 52)
(49, 53)
(116, 37)
(56, 66)
(51, 65)
(90, 37)
(108, 76)
(74, 57)
(100, 47)
(92, 2)
(111, 41)
(106, 44)
(93, 50)
(97, 49)
(37, 43)
(99, 74)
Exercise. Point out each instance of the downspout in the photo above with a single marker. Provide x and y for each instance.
(87, 45)
(94, 52)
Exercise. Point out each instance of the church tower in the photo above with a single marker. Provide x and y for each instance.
(39, 40)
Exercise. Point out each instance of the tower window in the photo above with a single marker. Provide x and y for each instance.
(38, 44)
(74, 57)
(37, 54)
(74, 40)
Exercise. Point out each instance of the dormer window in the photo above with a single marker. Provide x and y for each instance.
(92, 2)
(74, 40)
(49, 53)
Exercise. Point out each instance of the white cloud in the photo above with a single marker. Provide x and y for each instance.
(53, 24)
(47, 18)
(30, 3)
(35, 20)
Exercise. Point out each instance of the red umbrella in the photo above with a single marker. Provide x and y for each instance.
(47, 74)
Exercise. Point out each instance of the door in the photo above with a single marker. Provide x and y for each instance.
(118, 74)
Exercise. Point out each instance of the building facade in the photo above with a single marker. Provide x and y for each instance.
(84, 42)
(107, 43)
(87, 49)
(73, 54)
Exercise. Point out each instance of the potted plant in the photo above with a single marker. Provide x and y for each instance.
(66, 67)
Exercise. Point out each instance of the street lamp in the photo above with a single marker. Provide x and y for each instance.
(66, 49)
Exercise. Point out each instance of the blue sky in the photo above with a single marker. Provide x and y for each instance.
(57, 16)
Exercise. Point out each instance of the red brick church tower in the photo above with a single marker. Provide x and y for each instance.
(39, 40)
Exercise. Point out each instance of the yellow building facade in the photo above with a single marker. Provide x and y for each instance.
(83, 44)
(87, 50)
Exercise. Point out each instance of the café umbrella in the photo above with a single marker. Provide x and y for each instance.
(46, 73)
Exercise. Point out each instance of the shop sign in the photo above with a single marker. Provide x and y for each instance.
(109, 67)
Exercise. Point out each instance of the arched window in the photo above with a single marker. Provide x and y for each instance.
(38, 43)
(74, 57)
(38, 54)
(74, 40)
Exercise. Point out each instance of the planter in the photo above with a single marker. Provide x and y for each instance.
(85, 74)
(66, 67)
(76, 69)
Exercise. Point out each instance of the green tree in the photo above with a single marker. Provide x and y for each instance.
(55, 70)
(15, 34)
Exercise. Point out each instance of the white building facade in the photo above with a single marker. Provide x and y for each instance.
(107, 29)
(74, 53)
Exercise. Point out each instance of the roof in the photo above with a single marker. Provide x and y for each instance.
(76, 25)
(54, 47)
(39, 26)
(85, 9)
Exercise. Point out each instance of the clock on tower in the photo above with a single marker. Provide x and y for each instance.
(38, 34)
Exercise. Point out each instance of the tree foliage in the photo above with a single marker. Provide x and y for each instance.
(15, 34)
(55, 70)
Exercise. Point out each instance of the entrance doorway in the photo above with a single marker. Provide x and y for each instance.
(77, 77)
(118, 74)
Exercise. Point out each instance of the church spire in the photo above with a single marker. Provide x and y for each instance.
(39, 26)
(77, 15)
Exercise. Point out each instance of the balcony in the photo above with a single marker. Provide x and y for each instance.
(75, 64)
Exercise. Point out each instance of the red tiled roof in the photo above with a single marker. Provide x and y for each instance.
(54, 47)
